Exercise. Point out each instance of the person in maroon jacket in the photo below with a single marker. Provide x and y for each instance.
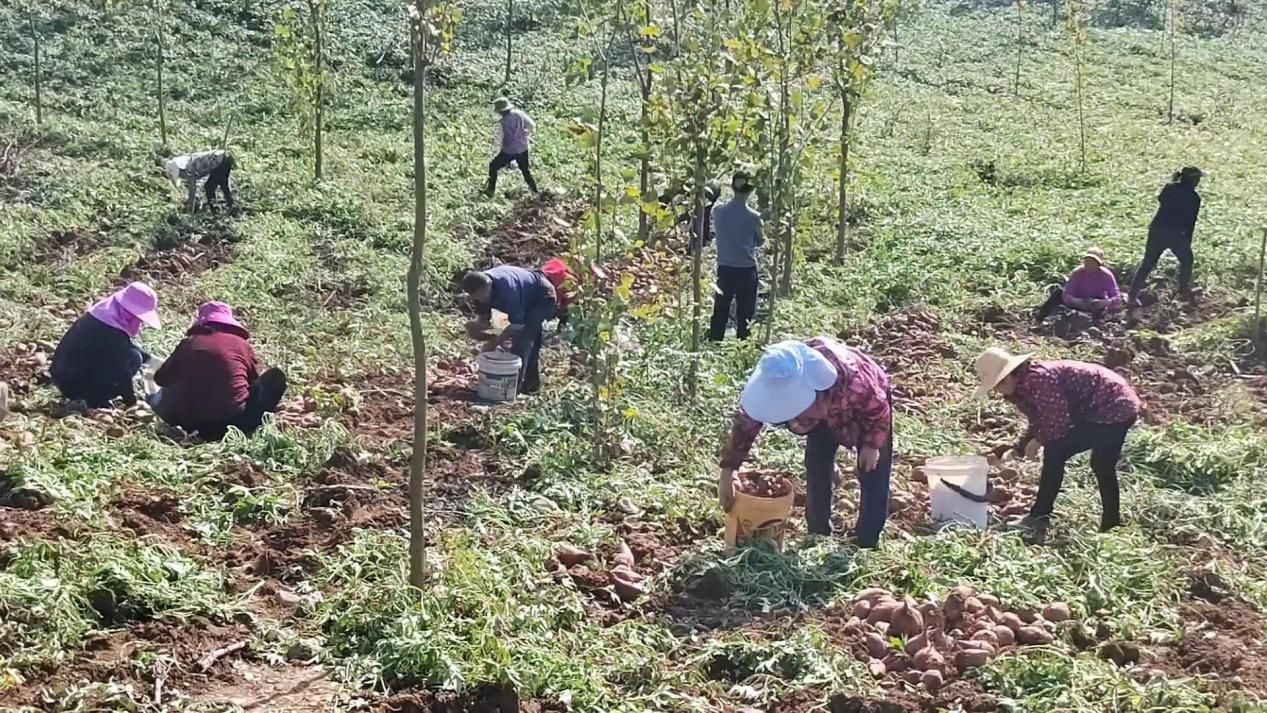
(211, 381)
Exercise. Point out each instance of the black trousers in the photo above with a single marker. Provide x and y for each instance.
(219, 179)
(1105, 442)
(502, 160)
(737, 284)
(1160, 239)
(265, 395)
(526, 344)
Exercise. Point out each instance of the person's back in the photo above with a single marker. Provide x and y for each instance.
(207, 379)
(515, 289)
(94, 362)
(515, 129)
(738, 232)
(1177, 207)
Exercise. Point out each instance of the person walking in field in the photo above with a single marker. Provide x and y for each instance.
(1178, 206)
(528, 299)
(1072, 407)
(738, 229)
(836, 396)
(212, 380)
(97, 357)
(515, 128)
(215, 166)
(1091, 287)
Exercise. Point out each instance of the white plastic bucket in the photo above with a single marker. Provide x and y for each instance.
(971, 474)
(499, 376)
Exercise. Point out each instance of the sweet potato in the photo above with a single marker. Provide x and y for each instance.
(916, 644)
(1009, 475)
(862, 608)
(919, 476)
(1029, 616)
(624, 572)
(571, 555)
(972, 605)
(881, 628)
(1057, 612)
(972, 658)
(623, 555)
(927, 659)
(989, 600)
(1011, 621)
(906, 620)
(1034, 636)
(876, 645)
(932, 680)
(626, 590)
(912, 676)
(872, 594)
(894, 663)
(882, 611)
(877, 669)
(987, 636)
(1004, 635)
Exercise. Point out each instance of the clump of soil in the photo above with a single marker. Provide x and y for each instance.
(154, 513)
(185, 260)
(764, 484)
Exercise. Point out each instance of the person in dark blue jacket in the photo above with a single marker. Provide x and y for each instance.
(1178, 206)
(97, 358)
(528, 299)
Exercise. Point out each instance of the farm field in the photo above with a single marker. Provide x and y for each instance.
(143, 571)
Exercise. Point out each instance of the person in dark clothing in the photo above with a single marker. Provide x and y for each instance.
(516, 128)
(738, 230)
(527, 297)
(215, 166)
(96, 359)
(212, 380)
(1179, 204)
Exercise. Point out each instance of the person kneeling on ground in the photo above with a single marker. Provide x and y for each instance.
(1072, 407)
(212, 381)
(836, 396)
(527, 297)
(96, 359)
(1092, 287)
(215, 166)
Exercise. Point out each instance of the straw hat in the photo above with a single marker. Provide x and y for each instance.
(785, 382)
(993, 366)
(1095, 254)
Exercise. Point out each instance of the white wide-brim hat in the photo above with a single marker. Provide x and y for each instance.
(785, 382)
(993, 366)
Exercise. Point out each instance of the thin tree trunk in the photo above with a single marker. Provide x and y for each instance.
(842, 199)
(644, 168)
(697, 268)
(1257, 331)
(598, 370)
(418, 463)
(1020, 41)
(1082, 119)
(39, 85)
(162, 99)
(320, 78)
(510, 18)
(1170, 110)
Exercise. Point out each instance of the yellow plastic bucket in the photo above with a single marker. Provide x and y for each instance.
(753, 517)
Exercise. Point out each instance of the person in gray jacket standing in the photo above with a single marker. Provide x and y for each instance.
(738, 230)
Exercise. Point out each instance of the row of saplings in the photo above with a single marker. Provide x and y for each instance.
(927, 644)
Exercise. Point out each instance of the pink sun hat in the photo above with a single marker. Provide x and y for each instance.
(136, 299)
(215, 312)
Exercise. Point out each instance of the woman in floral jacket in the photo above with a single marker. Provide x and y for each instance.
(835, 395)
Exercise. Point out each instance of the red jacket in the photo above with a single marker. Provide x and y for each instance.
(208, 378)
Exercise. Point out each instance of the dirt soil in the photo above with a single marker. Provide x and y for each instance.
(534, 231)
(65, 246)
(489, 699)
(24, 366)
(186, 260)
(955, 696)
(1223, 641)
(910, 347)
(110, 656)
